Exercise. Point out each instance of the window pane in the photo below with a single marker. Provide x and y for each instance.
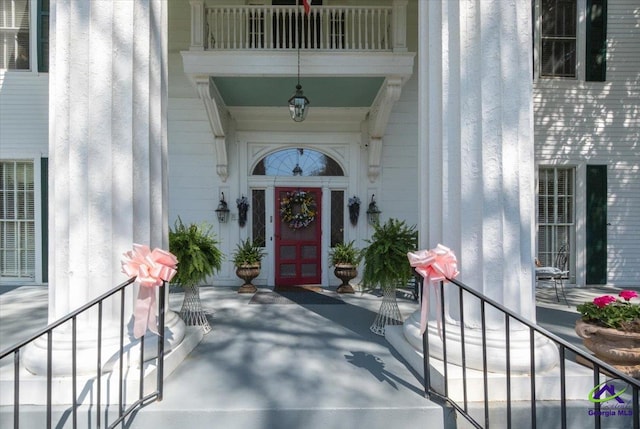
(337, 217)
(558, 38)
(14, 34)
(258, 216)
(297, 162)
(556, 225)
(17, 219)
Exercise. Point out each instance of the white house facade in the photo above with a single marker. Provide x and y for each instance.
(387, 122)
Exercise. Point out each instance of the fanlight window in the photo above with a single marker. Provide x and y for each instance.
(297, 162)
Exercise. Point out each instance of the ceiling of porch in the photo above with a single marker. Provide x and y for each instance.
(275, 91)
(348, 91)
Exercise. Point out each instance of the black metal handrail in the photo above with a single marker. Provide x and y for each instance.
(123, 410)
(576, 355)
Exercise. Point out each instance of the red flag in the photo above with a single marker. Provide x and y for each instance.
(307, 6)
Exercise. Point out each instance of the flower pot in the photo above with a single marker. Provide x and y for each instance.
(619, 348)
(248, 273)
(345, 272)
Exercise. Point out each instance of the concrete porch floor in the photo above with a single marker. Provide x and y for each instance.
(291, 366)
(288, 365)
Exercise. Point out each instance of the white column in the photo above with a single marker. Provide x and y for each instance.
(108, 160)
(477, 167)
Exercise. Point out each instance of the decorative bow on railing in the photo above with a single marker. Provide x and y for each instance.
(150, 268)
(435, 265)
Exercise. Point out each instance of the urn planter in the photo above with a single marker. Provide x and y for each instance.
(619, 348)
(247, 260)
(248, 273)
(345, 272)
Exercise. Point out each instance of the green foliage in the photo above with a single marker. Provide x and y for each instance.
(622, 315)
(345, 253)
(247, 253)
(197, 251)
(385, 258)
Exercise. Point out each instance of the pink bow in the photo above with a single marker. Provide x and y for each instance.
(434, 265)
(151, 268)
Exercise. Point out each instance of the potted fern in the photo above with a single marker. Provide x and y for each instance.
(345, 257)
(247, 259)
(199, 257)
(386, 266)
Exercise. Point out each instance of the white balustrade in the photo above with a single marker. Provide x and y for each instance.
(346, 28)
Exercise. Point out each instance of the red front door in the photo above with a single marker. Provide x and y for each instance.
(298, 247)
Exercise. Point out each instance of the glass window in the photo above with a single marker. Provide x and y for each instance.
(337, 217)
(258, 216)
(297, 162)
(556, 212)
(17, 220)
(558, 25)
(14, 34)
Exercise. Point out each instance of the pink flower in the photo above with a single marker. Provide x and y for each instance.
(628, 294)
(604, 300)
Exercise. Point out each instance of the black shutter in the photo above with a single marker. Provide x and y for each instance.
(596, 225)
(43, 36)
(44, 204)
(596, 54)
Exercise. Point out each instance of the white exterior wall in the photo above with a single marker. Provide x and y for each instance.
(24, 128)
(24, 104)
(579, 123)
(194, 186)
(193, 182)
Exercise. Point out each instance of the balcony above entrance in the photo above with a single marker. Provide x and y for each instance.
(352, 62)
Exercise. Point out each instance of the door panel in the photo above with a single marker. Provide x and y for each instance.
(298, 249)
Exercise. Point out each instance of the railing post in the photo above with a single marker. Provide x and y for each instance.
(161, 332)
(197, 25)
(399, 26)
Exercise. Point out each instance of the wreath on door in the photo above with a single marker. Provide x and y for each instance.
(298, 209)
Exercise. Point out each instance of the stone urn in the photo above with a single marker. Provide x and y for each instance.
(621, 349)
(345, 272)
(248, 273)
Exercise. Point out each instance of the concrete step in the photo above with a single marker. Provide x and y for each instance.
(156, 415)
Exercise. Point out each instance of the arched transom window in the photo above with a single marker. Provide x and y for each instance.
(297, 162)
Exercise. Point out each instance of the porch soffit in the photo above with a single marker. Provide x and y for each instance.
(337, 84)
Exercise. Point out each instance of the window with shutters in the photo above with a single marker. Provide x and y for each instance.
(570, 39)
(17, 219)
(556, 213)
(14, 34)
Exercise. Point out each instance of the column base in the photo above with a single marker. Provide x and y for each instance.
(546, 352)
(579, 379)
(34, 356)
(33, 388)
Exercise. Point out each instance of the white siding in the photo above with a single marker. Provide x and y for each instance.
(24, 114)
(24, 130)
(579, 123)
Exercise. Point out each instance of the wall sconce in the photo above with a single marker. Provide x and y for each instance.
(373, 212)
(223, 210)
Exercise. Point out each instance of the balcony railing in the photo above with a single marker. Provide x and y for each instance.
(108, 381)
(331, 28)
(627, 413)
